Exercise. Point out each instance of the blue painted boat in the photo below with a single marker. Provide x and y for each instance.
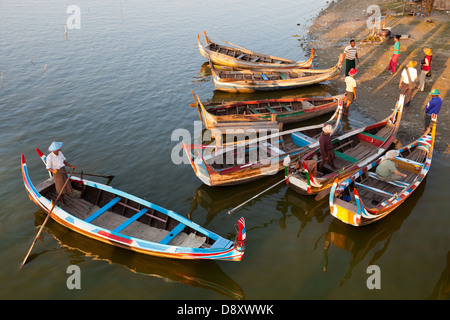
(120, 219)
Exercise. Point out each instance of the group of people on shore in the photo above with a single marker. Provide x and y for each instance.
(408, 79)
(386, 170)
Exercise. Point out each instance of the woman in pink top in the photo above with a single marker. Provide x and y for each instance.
(426, 67)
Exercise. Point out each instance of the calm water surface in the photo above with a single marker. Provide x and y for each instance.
(114, 92)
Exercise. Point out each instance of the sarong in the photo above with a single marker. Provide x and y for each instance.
(393, 64)
(60, 178)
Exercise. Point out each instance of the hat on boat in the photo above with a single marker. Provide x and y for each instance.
(412, 64)
(328, 128)
(352, 72)
(435, 92)
(391, 154)
(428, 51)
(55, 146)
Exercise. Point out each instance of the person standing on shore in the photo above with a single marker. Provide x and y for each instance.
(408, 82)
(350, 89)
(396, 48)
(56, 163)
(426, 68)
(350, 56)
(433, 106)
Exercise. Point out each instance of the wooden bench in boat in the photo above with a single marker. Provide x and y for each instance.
(130, 220)
(102, 210)
(345, 157)
(373, 189)
(371, 138)
(172, 234)
(396, 183)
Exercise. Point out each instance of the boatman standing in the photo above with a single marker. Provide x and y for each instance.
(350, 56)
(56, 163)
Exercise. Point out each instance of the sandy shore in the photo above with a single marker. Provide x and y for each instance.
(343, 20)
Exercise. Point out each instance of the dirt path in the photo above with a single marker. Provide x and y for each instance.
(378, 90)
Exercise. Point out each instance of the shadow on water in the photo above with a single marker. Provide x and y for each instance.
(441, 290)
(360, 241)
(204, 274)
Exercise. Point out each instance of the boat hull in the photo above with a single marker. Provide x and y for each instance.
(232, 253)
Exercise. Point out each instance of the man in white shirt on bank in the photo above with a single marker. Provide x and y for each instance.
(350, 89)
(408, 82)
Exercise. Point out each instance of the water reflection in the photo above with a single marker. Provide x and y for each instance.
(201, 274)
(441, 289)
(361, 241)
(304, 208)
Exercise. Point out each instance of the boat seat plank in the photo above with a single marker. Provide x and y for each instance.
(372, 136)
(172, 234)
(345, 157)
(222, 243)
(253, 110)
(102, 210)
(396, 183)
(264, 76)
(131, 220)
(286, 107)
(241, 56)
(373, 189)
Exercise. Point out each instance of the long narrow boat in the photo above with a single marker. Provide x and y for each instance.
(353, 151)
(375, 198)
(235, 56)
(281, 110)
(124, 220)
(239, 80)
(248, 160)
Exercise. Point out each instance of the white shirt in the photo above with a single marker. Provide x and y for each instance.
(55, 161)
(350, 52)
(412, 73)
(350, 83)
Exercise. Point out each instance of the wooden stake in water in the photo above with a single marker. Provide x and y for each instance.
(65, 28)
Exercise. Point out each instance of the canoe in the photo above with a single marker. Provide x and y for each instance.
(123, 220)
(362, 198)
(353, 151)
(234, 56)
(238, 80)
(251, 159)
(280, 110)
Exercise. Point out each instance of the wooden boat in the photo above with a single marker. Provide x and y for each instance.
(234, 56)
(375, 198)
(124, 220)
(353, 151)
(236, 80)
(280, 110)
(252, 159)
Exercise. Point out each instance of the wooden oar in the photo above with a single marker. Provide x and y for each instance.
(45, 221)
(107, 176)
(284, 179)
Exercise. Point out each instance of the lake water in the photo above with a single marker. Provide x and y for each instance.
(114, 92)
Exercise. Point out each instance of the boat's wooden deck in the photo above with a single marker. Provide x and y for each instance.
(82, 209)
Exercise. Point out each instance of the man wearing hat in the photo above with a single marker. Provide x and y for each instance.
(426, 68)
(326, 147)
(433, 106)
(56, 163)
(387, 170)
(408, 81)
(350, 88)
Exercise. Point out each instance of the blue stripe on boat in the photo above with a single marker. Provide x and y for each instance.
(264, 76)
(172, 234)
(131, 220)
(102, 210)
